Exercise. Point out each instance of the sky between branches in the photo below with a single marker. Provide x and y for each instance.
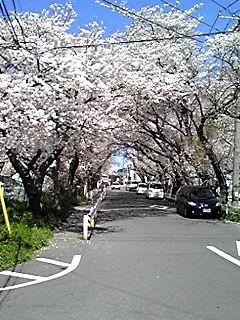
(212, 12)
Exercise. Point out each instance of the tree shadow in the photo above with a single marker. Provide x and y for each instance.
(117, 206)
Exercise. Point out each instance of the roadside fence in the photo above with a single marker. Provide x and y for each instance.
(89, 220)
(13, 188)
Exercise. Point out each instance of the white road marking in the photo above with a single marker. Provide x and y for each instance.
(57, 263)
(224, 255)
(72, 266)
(238, 247)
(20, 275)
(159, 207)
(133, 208)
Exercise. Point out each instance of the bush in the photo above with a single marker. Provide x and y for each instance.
(26, 236)
(233, 215)
(23, 241)
(82, 199)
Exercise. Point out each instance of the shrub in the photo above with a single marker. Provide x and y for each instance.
(26, 236)
(82, 199)
(232, 214)
(21, 244)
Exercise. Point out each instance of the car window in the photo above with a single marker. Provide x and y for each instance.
(203, 193)
(156, 186)
(142, 185)
(180, 191)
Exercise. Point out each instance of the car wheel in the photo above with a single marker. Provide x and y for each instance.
(185, 213)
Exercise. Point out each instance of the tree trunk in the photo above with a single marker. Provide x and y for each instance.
(32, 187)
(219, 174)
(35, 205)
(214, 163)
(72, 169)
(33, 181)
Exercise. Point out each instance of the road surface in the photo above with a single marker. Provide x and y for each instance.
(143, 262)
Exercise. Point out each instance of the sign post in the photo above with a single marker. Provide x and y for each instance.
(4, 208)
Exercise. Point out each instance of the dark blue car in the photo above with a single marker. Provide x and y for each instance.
(197, 201)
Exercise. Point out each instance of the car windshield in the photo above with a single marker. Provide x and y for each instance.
(142, 185)
(203, 193)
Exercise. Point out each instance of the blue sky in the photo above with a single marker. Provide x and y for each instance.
(89, 10)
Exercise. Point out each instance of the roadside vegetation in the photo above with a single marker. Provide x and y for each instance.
(232, 215)
(27, 235)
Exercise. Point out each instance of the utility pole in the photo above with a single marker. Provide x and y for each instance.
(236, 150)
(236, 159)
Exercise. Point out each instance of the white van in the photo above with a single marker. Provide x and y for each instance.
(142, 188)
(132, 186)
(155, 191)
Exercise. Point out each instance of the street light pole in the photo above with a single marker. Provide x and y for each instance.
(236, 159)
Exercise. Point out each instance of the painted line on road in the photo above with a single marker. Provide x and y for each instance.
(159, 207)
(224, 255)
(238, 247)
(133, 208)
(55, 262)
(72, 266)
(20, 275)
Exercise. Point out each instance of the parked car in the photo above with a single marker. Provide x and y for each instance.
(142, 188)
(155, 190)
(115, 186)
(132, 185)
(197, 201)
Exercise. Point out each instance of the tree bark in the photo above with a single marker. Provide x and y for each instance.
(32, 177)
(32, 186)
(214, 163)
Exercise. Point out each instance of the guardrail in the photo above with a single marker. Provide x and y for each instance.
(89, 220)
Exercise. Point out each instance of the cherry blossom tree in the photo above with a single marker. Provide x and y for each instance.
(170, 75)
(69, 101)
(50, 93)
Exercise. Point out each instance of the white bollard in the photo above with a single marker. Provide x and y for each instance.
(85, 227)
(92, 223)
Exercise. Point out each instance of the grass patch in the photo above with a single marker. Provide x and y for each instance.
(232, 215)
(26, 236)
(22, 243)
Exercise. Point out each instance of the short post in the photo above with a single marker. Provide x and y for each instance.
(85, 227)
(92, 222)
(4, 209)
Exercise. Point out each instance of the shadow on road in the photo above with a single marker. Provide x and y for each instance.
(118, 206)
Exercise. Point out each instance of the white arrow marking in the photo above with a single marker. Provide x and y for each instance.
(74, 264)
(57, 263)
(20, 275)
(238, 247)
(224, 255)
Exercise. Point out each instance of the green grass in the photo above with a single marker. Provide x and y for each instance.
(26, 236)
(232, 215)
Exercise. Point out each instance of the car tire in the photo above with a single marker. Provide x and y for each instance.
(185, 213)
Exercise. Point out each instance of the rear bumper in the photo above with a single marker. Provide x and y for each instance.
(204, 212)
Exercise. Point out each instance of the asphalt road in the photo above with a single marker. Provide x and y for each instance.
(143, 262)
